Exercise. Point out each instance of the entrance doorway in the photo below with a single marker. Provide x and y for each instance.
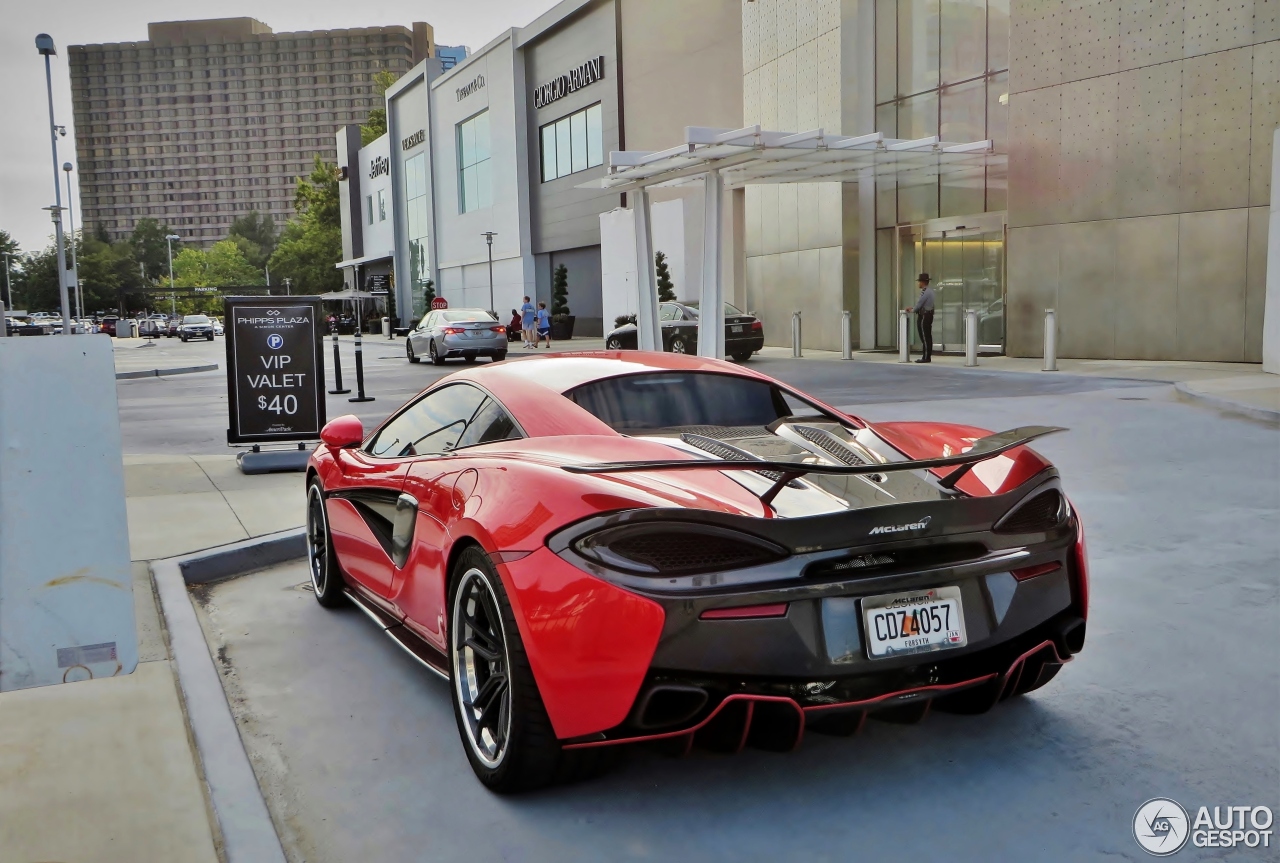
(965, 256)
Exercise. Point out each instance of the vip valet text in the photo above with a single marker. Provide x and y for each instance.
(1231, 826)
(281, 381)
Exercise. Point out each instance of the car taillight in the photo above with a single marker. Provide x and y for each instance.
(453, 331)
(497, 329)
(757, 325)
(666, 549)
(1027, 572)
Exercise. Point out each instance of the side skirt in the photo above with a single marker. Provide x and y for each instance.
(426, 654)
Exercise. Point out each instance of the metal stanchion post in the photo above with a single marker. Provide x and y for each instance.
(846, 336)
(386, 325)
(1050, 340)
(796, 350)
(359, 396)
(904, 336)
(970, 337)
(337, 369)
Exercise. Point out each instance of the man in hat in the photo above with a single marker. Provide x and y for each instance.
(924, 316)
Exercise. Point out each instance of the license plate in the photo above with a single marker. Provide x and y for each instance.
(921, 621)
(736, 329)
(474, 334)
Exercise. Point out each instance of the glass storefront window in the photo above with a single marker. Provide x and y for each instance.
(964, 42)
(918, 116)
(997, 35)
(964, 111)
(475, 188)
(572, 144)
(416, 222)
(886, 51)
(917, 46)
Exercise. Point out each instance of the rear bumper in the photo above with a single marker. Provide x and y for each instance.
(464, 347)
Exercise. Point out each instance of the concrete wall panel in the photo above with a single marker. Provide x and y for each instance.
(788, 217)
(767, 107)
(1212, 250)
(828, 15)
(780, 305)
(785, 10)
(1216, 25)
(754, 300)
(1265, 111)
(787, 92)
(750, 37)
(1150, 32)
(754, 242)
(808, 297)
(1255, 282)
(807, 85)
(1035, 44)
(831, 301)
(1148, 140)
(770, 236)
(1266, 20)
(1032, 288)
(1086, 302)
(1088, 168)
(829, 81)
(1090, 37)
(830, 219)
(1035, 155)
(1216, 89)
(806, 21)
(809, 225)
(1146, 288)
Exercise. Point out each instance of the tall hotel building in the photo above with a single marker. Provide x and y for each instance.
(207, 120)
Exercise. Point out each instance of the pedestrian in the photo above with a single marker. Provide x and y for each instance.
(514, 326)
(527, 323)
(544, 325)
(924, 316)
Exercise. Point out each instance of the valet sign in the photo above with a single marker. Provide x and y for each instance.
(275, 371)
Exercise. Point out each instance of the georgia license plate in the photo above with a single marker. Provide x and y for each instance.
(921, 621)
(735, 329)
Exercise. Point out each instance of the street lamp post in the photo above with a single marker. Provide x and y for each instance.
(75, 267)
(288, 287)
(488, 239)
(173, 297)
(44, 45)
(8, 287)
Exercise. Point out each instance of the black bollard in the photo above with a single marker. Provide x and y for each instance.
(360, 396)
(337, 369)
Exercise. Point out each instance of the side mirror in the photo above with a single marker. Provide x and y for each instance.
(342, 432)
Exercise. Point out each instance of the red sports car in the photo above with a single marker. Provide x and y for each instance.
(602, 548)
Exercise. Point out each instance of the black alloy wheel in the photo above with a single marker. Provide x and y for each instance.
(325, 578)
(480, 668)
(408, 349)
(678, 346)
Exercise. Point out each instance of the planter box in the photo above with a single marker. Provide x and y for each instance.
(562, 328)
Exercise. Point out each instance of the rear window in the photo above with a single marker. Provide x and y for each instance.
(461, 316)
(668, 400)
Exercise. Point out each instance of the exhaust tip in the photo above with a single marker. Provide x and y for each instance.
(668, 704)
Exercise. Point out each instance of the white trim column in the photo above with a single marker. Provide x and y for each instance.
(1271, 305)
(648, 327)
(711, 324)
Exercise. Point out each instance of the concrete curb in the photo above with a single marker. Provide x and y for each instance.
(248, 833)
(155, 373)
(1186, 393)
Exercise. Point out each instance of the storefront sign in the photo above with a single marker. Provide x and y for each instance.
(588, 73)
(275, 372)
(380, 283)
(477, 84)
(414, 140)
(379, 166)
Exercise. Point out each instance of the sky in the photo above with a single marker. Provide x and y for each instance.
(26, 162)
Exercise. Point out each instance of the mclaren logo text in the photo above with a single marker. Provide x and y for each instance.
(902, 528)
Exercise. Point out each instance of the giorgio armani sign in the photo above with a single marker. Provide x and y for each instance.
(574, 80)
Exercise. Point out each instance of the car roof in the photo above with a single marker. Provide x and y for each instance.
(565, 371)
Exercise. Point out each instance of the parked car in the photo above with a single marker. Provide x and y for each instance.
(597, 553)
(466, 333)
(108, 325)
(217, 327)
(151, 328)
(195, 327)
(743, 332)
(173, 328)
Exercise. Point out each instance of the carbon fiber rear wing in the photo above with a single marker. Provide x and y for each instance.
(982, 449)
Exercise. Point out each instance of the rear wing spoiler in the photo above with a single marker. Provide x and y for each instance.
(982, 449)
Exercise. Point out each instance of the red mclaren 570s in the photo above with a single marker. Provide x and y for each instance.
(603, 548)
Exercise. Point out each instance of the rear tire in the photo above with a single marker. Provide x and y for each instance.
(326, 578)
(508, 740)
(742, 357)
(209, 337)
(678, 345)
(499, 356)
(469, 360)
(614, 344)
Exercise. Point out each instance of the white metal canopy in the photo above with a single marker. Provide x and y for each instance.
(734, 158)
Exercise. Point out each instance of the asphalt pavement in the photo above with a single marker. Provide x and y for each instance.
(1175, 694)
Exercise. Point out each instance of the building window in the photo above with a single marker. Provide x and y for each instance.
(416, 220)
(475, 185)
(572, 144)
(368, 207)
(382, 205)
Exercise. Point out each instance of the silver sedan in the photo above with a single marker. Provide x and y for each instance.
(466, 333)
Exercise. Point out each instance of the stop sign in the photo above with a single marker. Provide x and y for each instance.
(438, 303)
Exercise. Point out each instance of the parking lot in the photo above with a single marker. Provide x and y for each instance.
(1175, 694)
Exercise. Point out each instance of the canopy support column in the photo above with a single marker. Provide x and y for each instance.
(711, 326)
(649, 329)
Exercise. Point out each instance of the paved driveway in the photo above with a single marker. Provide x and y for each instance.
(1176, 693)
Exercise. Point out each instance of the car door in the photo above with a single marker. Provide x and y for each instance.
(438, 482)
(419, 333)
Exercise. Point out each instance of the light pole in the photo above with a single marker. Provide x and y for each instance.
(173, 297)
(488, 239)
(75, 267)
(288, 283)
(44, 45)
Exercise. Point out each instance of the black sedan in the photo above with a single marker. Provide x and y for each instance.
(743, 333)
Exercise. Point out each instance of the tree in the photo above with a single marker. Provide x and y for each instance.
(560, 291)
(375, 125)
(428, 293)
(311, 244)
(8, 246)
(666, 289)
(151, 249)
(255, 234)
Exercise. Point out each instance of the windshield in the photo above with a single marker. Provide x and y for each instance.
(674, 400)
(728, 309)
(196, 319)
(461, 316)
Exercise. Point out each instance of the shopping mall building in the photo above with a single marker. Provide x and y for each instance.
(1127, 182)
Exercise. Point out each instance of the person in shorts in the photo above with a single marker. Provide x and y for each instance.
(544, 325)
(527, 322)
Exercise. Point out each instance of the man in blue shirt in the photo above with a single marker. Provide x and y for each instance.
(526, 322)
(924, 316)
